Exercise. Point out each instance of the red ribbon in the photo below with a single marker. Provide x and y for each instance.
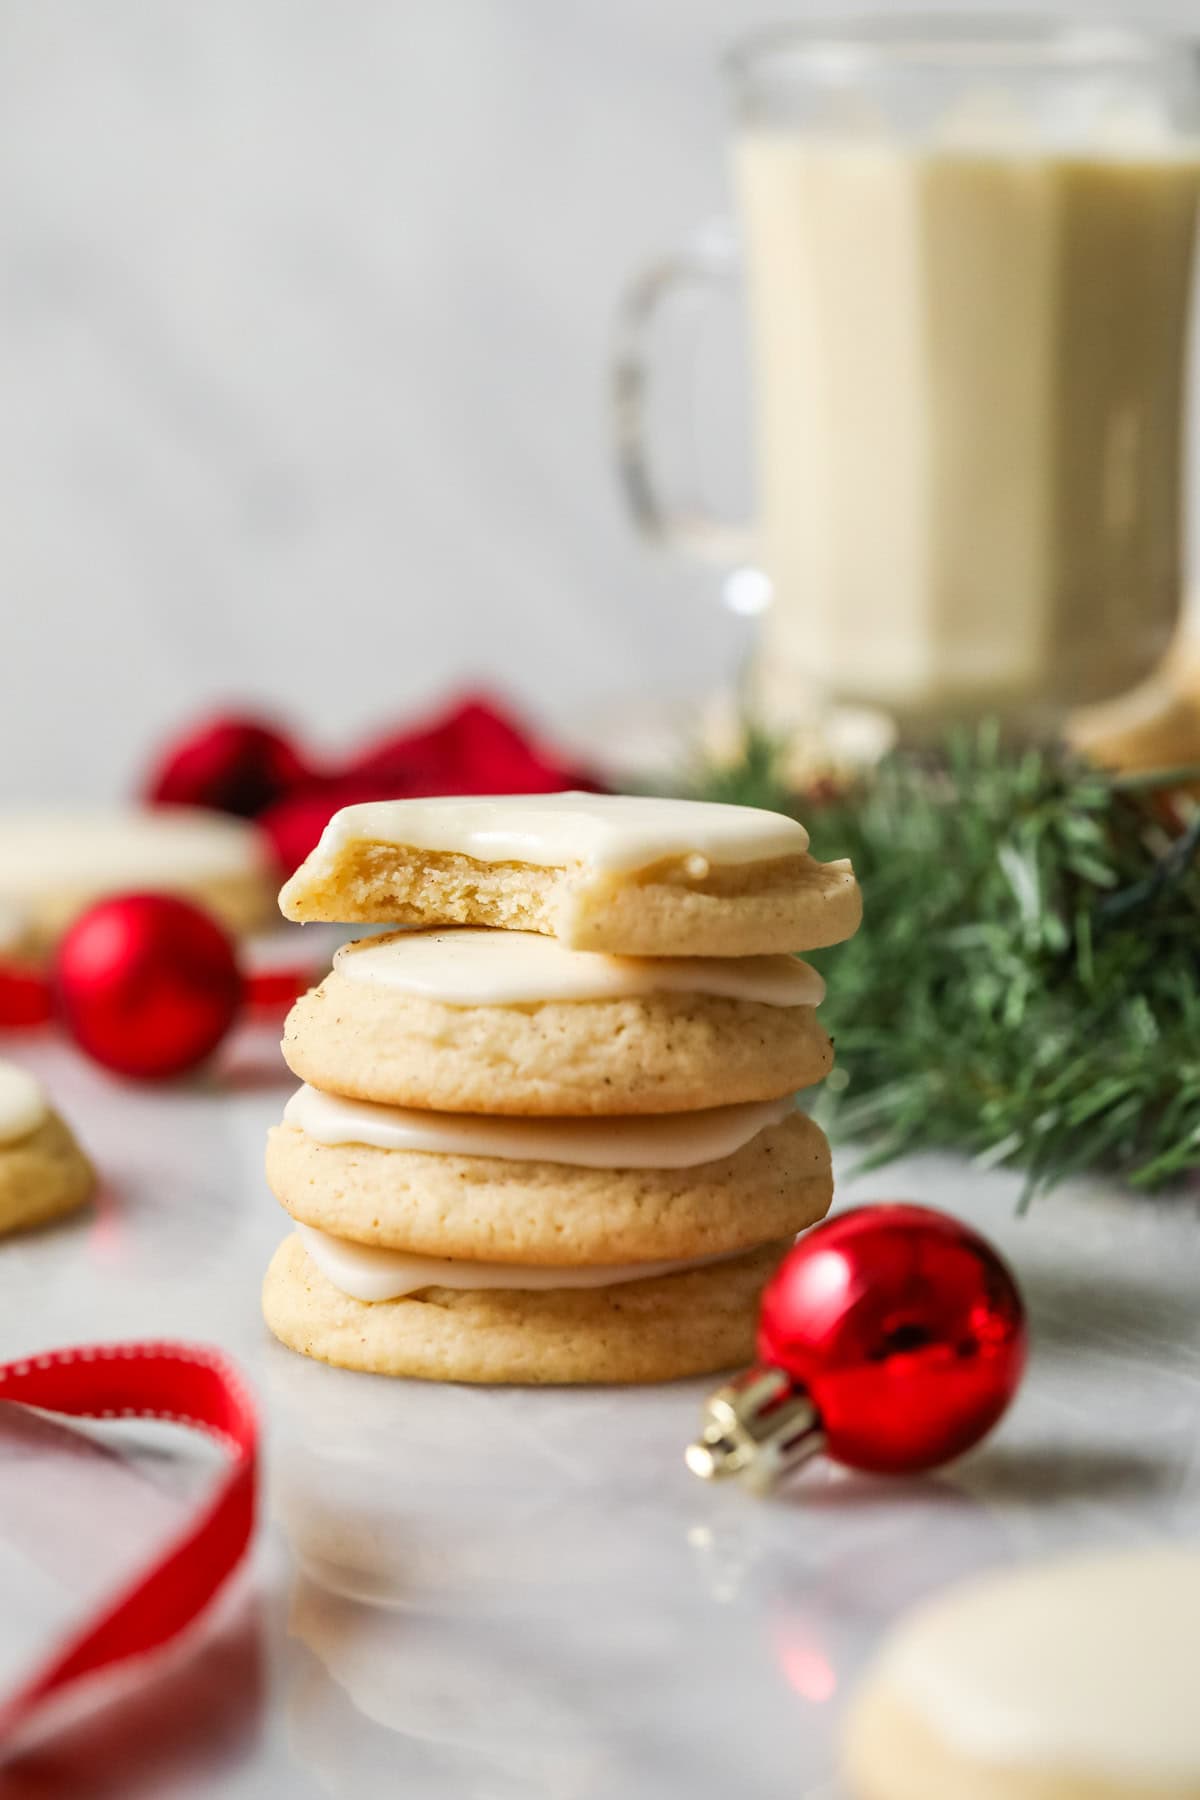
(189, 1385)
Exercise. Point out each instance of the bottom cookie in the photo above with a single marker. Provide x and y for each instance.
(42, 1176)
(691, 1323)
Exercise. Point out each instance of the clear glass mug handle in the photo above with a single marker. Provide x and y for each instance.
(705, 264)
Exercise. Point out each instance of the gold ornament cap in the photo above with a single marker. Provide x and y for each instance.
(756, 1427)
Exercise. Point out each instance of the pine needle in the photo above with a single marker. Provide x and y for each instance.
(1025, 987)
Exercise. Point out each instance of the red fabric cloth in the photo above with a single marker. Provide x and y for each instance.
(229, 763)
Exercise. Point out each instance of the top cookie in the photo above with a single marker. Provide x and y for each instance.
(629, 875)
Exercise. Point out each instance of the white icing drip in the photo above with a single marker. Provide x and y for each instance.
(1085, 1664)
(367, 1273)
(23, 1103)
(659, 1141)
(600, 833)
(515, 968)
(164, 847)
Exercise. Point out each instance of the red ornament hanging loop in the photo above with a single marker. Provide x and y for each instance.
(892, 1337)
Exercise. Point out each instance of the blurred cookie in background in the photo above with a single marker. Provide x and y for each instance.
(43, 1172)
(1157, 726)
(53, 865)
(1069, 1679)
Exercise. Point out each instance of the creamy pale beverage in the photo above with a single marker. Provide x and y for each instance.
(966, 249)
(969, 371)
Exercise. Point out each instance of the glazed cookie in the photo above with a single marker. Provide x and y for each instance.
(630, 875)
(512, 1022)
(658, 1328)
(555, 1192)
(53, 865)
(1068, 1680)
(43, 1172)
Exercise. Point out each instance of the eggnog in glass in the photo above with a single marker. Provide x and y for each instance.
(968, 257)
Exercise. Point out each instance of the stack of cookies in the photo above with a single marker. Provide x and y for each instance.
(557, 1142)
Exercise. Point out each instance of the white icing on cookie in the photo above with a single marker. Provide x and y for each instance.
(1085, 1665)
(600, 834)
(659, 1141)
(515, 968)
(23, 1104)
(165, 847)
(367, 1273)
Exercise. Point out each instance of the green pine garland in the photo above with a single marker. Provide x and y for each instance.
(1026, 983)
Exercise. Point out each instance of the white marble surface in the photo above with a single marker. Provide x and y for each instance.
(483, 1594)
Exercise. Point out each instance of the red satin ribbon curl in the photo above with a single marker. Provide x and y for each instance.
(188, 1384)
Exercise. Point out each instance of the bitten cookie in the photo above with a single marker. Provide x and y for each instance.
(1071, 1679)
(689, 1323)
(725, 1180)
(53, 865)
(630, 875)
(43, 1172)
(511, 1022)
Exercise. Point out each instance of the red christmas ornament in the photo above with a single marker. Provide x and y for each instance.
(147, 984)
(96, 991)
(233, 764)
(892, 1337)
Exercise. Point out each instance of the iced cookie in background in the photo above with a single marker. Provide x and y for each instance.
(43, 1172)
(1070, 1679)
(512, 1022)
(628, 874)
(1155, 726)
(54, 865)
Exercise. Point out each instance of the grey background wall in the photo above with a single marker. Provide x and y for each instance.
(304, 306)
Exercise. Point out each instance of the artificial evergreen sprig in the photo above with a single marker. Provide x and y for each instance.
(1026, 983)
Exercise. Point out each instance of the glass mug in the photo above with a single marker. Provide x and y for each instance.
(968, 256)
